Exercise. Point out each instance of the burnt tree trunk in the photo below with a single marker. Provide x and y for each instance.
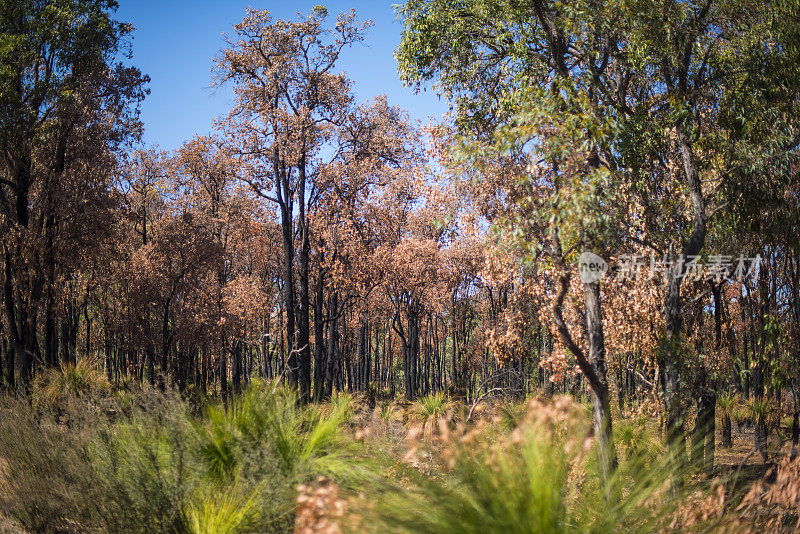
(304, 321)
(333, 341)
(727, 433)
(320, 366)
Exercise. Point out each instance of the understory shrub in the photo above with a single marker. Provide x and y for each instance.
(94, 474)
(144, 463)
(540, 477)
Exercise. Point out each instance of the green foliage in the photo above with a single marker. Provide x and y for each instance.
(268, 415)
(727, 404)
(642, 444)
(94, 474)
(546, 83)
(45, 470)
(489, 490)
(146, 468)
(265, 439)
(228, 511)
(79, 35)
(155, 468)
(511, 415)
(429, 411)
(159, 469)
(763, 411)
(539, 478)
(218, 448)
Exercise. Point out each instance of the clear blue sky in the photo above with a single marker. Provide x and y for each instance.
(176, 41)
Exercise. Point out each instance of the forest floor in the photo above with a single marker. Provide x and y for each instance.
(741, 461)
(738, 465)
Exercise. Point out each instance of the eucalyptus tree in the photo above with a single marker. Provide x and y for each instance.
(710, 120)
(527, 81)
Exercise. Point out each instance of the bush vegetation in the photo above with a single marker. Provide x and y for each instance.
(81, 456)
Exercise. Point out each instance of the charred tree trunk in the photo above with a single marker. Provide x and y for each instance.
(304, 321)
(320, 366)
(237, 366)
(284, 195)
(223, 371)
(727, 431)
(333, 348)
(703, 435)
(366, 350)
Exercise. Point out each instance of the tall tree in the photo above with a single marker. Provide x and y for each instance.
(287, 99)
(673, 97)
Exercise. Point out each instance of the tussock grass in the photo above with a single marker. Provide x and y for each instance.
(228, 511)
(83, 382)
(155, 467)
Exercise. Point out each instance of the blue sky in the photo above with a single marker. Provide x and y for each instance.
(175, 43)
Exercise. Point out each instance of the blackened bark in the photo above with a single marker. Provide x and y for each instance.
(411, 354)
(367, 351)
(16, 348)
(150, 362)
(50, 336)
(760, 438)
(10, 367)
(88, 323)
(333, 341)
(289, 298)
(237, 366)
(704, 433)
(304, 321)
(223, 371)
(348, 367)
(166, 341)
(31, 344)
(319, 337)
(727, 431)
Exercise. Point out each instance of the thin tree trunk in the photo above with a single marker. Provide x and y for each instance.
(606, 451)
(319, 338)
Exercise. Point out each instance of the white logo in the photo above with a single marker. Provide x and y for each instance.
(591, 267)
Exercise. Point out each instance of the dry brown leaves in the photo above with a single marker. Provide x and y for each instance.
(320, 509)
(774, 501)
(698, 508)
